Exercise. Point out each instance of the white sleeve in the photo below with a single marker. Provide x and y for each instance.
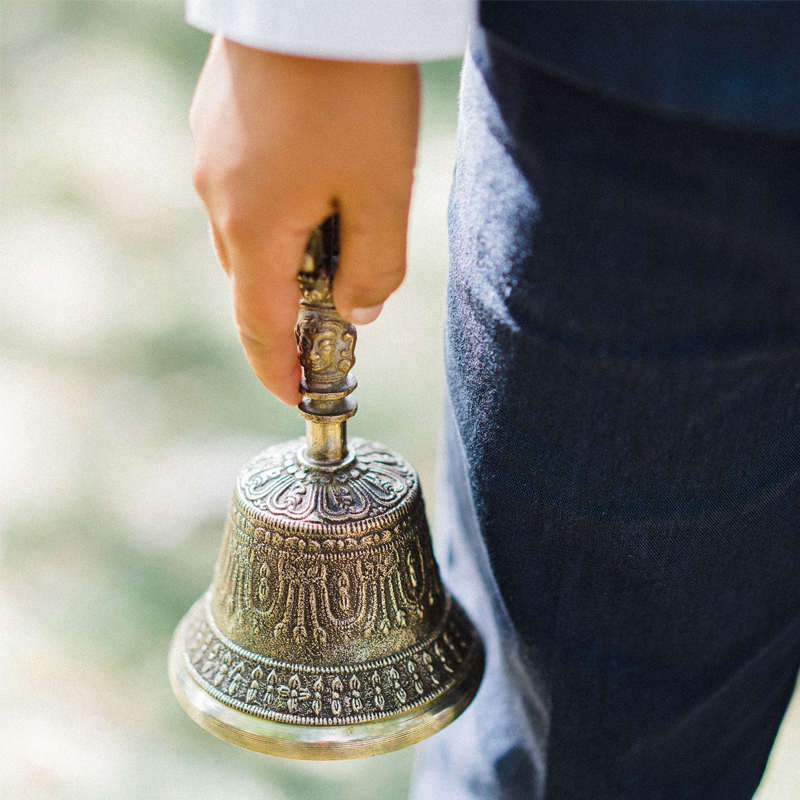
(394, 31)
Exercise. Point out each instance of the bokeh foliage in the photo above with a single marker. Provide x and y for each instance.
(127, 406)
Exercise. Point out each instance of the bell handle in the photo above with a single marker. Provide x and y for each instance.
(326, 349)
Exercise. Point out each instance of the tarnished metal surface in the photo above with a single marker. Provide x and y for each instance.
(326, 632)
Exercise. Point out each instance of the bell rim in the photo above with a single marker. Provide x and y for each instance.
(324, 742)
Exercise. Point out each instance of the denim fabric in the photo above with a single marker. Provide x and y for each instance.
(728, 63)
(497, 748)
(621, 493)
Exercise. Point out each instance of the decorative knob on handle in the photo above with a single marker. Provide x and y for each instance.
(326, 346)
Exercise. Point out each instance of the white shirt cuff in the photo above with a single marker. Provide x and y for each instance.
(392, 31)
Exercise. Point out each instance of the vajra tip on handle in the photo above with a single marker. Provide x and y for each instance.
(326, 345)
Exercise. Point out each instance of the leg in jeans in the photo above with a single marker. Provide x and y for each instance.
(623, 358)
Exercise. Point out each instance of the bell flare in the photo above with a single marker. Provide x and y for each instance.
(326, 632)
(400, 703)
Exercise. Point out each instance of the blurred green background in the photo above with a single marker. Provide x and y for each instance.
(127, 408)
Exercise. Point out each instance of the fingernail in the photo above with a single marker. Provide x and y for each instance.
(363, 316)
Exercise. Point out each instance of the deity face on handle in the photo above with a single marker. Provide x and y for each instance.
(322, 351)
(326, 346)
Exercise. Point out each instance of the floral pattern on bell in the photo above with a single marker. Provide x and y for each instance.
(277, 483)
(326, 695)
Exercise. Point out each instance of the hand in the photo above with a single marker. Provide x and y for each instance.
(281, 142)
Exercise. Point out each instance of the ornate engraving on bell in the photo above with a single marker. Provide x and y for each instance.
(326, 632)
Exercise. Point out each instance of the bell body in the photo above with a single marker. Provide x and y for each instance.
(326, 632)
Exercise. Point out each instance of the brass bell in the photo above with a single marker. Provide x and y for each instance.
(327, 632)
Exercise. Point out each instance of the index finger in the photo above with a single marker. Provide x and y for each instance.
(266, 302)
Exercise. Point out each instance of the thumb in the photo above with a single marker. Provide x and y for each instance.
(372, 261)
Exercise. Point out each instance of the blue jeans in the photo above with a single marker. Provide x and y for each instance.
(620, 499)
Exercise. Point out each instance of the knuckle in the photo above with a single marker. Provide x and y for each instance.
(256, 328)
(253, 340)
(200, 177)
(247, 323)
(230, 216)
(233, 223)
